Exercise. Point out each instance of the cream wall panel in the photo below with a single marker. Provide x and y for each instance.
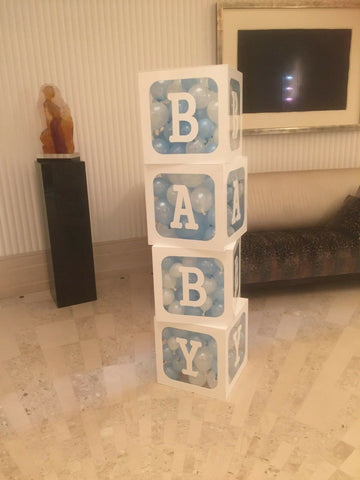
(92, 50)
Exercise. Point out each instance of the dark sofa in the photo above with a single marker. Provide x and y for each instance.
(326, 250)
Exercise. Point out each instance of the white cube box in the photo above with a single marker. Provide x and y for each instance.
(196, 207)
(191, 115)
(206, 359)
(196, 286)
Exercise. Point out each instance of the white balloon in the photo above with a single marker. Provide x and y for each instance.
(201, 95)
(168, 281)
(159, 115)
(171, 195)
(211, 379)
(207, 304)
(175, 270)
(176, 308)
(201, 199)
(173, 344)
(168, 296)
(209, 285)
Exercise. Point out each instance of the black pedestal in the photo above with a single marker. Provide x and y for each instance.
(67, 211)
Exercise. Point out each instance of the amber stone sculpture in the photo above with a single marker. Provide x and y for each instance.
(58, 134)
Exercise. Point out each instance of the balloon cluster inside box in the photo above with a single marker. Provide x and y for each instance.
(194, 206)
(204, 366)
(193, 286)
(204, 91)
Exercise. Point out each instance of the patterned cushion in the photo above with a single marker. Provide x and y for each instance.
(348, 217)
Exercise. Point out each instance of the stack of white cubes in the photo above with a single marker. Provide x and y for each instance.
(196, 191)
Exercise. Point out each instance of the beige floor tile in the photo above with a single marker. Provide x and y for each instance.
(79, 401)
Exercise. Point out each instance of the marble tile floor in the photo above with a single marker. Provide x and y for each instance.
(79, 400)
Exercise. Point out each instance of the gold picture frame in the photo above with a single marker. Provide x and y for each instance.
(233, 16)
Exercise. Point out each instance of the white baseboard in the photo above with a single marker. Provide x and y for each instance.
(28, 272)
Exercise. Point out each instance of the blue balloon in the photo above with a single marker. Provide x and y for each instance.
(183, 106)
(170, 372)
(230, 194)
(190, 234)
(161, 145)
(164, 212)
(206, 128)
(211, 147)
(177, 148)
(211, 217)
(159, 89)
(195, 311)
(201, 113)
(209, 234)
(160, 187)
(212, 85)
(185, 128)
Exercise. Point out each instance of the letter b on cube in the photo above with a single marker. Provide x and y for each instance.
(196, 285)
(192, 115)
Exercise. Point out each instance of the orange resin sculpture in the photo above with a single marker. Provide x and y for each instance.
(58, 134)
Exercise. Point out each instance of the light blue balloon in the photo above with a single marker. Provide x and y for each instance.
(230, 193)
(185, 128)
(164, 212)
(190, 234)
(211, 147)
(207, 266)
(160, 185)
(159, 89)
(161, 145)
(168, 262)
(187, 83)
(206, 128)
(219, 294)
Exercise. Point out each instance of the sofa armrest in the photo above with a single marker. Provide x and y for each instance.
(347, 219)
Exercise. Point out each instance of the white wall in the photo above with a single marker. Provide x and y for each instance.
(92, 50)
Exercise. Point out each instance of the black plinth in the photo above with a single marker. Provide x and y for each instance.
(68, 219)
